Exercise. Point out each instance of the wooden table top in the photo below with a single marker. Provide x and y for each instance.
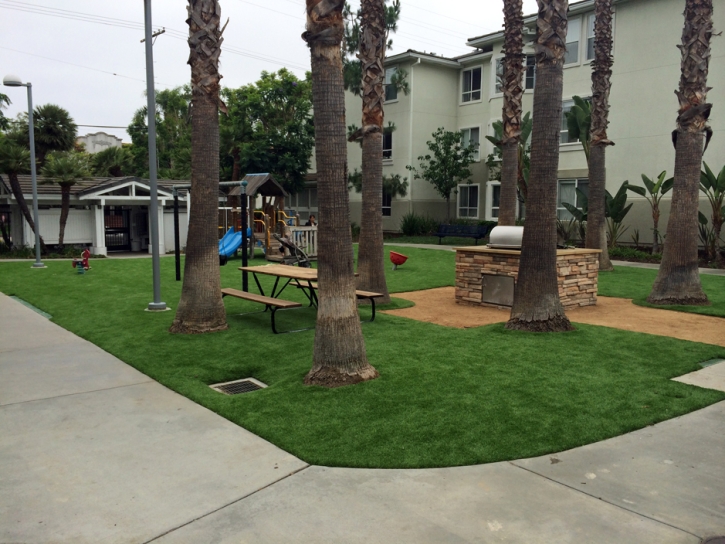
(283, 271)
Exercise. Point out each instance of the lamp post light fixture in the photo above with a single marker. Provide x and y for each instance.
(15, 81)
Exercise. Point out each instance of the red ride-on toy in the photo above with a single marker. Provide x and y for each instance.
(397, 259)
(82, 264)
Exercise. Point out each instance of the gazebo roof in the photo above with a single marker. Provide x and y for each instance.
(260, 184)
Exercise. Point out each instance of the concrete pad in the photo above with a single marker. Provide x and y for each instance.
(51, 371)
(672, 471)
(487, 503)
(123, 465)
(711, 377)
(22, 328)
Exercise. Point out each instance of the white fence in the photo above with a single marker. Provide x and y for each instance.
(305, 238)
(78, 228)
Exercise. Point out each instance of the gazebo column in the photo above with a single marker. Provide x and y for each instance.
(99, 231)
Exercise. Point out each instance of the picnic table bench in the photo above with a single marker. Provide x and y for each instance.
(464, 231)
(270, 303)
(359, 293)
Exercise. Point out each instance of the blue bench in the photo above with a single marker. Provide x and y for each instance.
(464, 231)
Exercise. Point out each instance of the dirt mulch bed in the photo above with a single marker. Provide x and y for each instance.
(439, 306)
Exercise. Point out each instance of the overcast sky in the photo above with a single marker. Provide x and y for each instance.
(86, 55)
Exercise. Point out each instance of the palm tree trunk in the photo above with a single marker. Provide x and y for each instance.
(596, 237)
(20, 199)
(370, 261)
(513, 92)
(201, 308)
(537, 307)
(656, 229)
(678, 279)
(339, 356)
(236, 167)
(64, 208)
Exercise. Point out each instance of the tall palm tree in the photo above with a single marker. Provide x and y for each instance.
(513, 92)
(678, 280)
(114, 162)
(339, 356)
(536, 305)
(15, 160)
(201, 308)
(65, 168)
(54, 130)
(371, 264)
(596, 237)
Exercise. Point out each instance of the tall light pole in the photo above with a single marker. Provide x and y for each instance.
(14, 81)
(156, 305)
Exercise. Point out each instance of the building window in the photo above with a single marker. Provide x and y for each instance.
(530, 71)
(391, 92)
(387, 204)
(387, 144)
(590, 37)
(566, 106)
(568, 193)
(498, 74)
(472, 136)
(495, 200)
(573, 36)
(471, 85)
(468, 201)
(529, 78)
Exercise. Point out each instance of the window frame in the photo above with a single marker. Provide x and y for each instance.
(576, 181)
(461, 102)
(387, 199)
(477, 155)
(494, 73)
(393, 70)
(578, 61)
(389, 150)
(587, 60)
(469, 207)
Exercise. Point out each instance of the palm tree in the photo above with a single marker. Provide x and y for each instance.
(513, 92)
(678, 280)
(339, 354)
(201, 308)
(114, 162)
(537, 307)
(596, 237)
(15, 160)
(65, 168)
(371, 265)
(54, 130)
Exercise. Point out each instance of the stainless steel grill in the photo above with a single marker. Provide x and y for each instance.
(506, 237)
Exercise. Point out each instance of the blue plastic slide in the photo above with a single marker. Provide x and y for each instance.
(231, 242)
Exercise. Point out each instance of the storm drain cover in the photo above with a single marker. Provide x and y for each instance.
(237, 387)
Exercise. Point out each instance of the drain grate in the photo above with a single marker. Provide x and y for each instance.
(237, 387)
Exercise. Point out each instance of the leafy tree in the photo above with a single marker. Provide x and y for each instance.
(678, 278)
(339, 356)
(513, 92)
(65, 168)
(714, 188)
(523, 161)
(653, 191)
(15, 160)
(393, 185)
(448, 165)
(54, 130)
(537, 307)
(268, 128)
(201, 308)
(616, 209)
(113, 161)
(4, 102)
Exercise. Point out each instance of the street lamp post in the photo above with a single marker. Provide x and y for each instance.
(14, 81)
(245, 209)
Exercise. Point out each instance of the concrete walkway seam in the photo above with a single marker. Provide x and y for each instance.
(78, 393)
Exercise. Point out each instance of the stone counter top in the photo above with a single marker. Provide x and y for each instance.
(497, 251)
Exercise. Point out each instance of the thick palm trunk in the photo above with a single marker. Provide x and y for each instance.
(537, 307)
(678, 280)
(370, 263)
(64, 208)
(601, 85)
(201, 308)
(339, 354)
(20, 199)
(513, 92)
(656, 229)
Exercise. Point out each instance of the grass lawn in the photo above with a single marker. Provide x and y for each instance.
(445, 396)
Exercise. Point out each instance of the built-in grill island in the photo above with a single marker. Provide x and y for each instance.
(487, 275)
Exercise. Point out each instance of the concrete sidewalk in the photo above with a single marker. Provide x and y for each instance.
(93, 451)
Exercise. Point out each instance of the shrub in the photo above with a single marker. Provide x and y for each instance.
(410, 224)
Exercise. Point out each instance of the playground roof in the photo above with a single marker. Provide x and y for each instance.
(260, 184)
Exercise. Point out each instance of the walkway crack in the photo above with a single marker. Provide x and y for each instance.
(78, 393)
(228, 504)
(605, 500)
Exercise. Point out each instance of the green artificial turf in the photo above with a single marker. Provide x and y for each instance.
(445, 396)
(636, 283)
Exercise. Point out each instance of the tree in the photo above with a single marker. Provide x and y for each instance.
(114, 161)
(653, 191)
(201, 308)
(536, 306)
(4, 102)
(523, 161)
(15, 160)
(54, 130)
(339, 356)
(65, 168)
(448, 166)
(601, 85)
(678, 279)
(513, 92)
(714, 188)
